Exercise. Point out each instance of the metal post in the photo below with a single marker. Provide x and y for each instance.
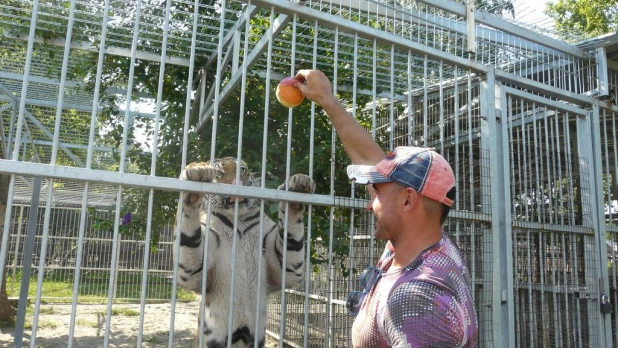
(588, 147)
(471, 28)
(27, 262)
(494, 145)
(605, 327)
(602, 75)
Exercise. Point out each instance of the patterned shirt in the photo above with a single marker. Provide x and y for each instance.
(426, 304)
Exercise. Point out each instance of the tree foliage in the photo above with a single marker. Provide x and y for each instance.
(328, 156)
(585, 17)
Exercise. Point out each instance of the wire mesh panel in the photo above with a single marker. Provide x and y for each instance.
(553, 297)
(554, 250)
(97, 260)
(103, 104)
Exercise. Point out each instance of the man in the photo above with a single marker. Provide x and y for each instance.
(418, 295)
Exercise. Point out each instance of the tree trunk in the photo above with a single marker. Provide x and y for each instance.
(7, 312)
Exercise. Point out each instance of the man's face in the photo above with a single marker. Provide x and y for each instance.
(386, 204)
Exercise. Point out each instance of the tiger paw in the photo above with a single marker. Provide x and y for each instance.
(202, 172)
(301, 183)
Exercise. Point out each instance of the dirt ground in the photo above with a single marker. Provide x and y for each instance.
(54, 322)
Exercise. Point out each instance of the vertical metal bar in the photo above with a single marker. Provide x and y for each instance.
(236, 51)
(27, 261)
(520, 168)
(511, 138)
(577, 313)
(557, 163)
(24, 90)
(542, 276)
(17, 239)
(604, 328)
(63, 78)
(498, 238)
(374, 98)
(524, 127)
(410, 105)
(457, 160)
(215, 118)
(331, 270)
(471, 181)
(391, 118)
(529, 286)
(202, 79)
(425, 102)
(569, 168)
(185, 142)
(549, 156)
(153, 170)
(555, 285)
(611, 220)
(20, 121)
(9, 144)
(571, 219)
(287, 176)
(566, 290)
(310, 208)
(352, 251)
(263, 183)
(538, 191)
(517, 291)
(441, 111)
(123, 156)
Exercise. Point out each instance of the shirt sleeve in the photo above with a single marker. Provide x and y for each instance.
(420, 314)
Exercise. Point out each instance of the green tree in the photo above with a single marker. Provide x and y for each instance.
(587, 17)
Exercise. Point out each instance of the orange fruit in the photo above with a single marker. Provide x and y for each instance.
(288, 95)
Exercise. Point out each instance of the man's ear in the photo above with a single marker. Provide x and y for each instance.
(411, 199)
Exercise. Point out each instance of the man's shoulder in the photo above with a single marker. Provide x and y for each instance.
(445, 255)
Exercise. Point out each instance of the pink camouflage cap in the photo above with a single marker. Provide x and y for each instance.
(422, 169)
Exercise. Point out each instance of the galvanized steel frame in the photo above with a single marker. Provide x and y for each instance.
(493, 135)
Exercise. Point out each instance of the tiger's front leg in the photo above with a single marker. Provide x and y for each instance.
(295, 256)
(192, 231)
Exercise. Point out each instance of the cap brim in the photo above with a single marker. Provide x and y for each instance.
(363, 174)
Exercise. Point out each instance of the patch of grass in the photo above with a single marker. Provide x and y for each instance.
(94, 287)
(125, 312)
(153, 340)
(86, 323)
(46, 324)
(43, 324)
(47, 310)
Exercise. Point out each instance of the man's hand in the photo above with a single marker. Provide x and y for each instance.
(358, 144)
(316, 87)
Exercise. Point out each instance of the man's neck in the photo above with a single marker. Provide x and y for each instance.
(412, 243)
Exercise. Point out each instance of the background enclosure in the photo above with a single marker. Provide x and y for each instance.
(103, 102)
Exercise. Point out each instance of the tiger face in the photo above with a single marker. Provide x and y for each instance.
(226, 174)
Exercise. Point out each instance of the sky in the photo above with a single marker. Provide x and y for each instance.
(531, 11)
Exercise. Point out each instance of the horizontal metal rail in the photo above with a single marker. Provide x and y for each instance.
(166, 184)
(545, 227)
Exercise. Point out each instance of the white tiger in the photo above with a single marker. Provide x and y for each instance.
(190, 257)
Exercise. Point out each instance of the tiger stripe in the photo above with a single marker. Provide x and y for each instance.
(220, 260)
